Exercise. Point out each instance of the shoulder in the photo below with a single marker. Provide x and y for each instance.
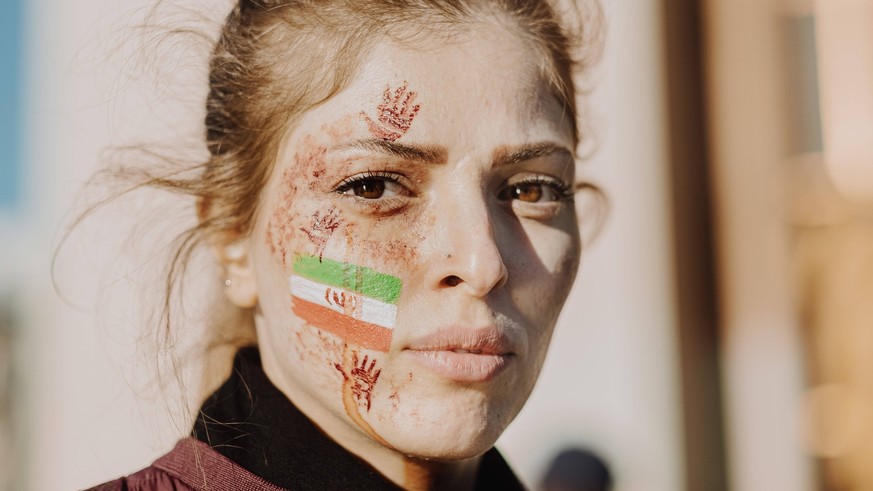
(191, 465)
(148, 479)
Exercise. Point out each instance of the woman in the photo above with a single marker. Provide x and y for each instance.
(390, 196)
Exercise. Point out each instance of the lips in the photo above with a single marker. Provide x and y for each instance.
(467, 355)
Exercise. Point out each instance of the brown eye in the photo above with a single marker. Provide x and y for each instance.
(530, 192)
(536, 189)
(370, 186)
(369, 189)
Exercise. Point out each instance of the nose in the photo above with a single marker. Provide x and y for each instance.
(469, 256)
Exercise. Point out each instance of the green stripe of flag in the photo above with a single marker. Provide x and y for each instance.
(360, 279)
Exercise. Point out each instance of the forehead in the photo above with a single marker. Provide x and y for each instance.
(484, 87)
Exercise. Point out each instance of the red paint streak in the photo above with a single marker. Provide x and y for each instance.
(356, 331)
(323, 226)
(394, 115)
(312, 162)
(279, 228)
(362, 379)
(270, 242)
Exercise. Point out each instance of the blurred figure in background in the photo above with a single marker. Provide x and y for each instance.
(577, 470)
(831, 208)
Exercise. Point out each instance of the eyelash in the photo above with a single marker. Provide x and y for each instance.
(564, 191)
(350, 182)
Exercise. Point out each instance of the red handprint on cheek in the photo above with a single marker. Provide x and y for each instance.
(361, 379)
(395, 114)
(323, 226)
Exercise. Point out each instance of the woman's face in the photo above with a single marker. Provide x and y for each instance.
(415, 244)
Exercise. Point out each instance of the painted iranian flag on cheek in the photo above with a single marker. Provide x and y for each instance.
(356, 303)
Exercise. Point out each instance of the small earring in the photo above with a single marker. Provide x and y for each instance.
(228, 282)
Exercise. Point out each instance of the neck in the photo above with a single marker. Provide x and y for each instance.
(410, 473)
(420, 475)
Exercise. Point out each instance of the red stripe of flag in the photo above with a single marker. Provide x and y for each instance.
(364, 334)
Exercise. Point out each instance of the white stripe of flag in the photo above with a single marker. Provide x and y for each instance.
(366, 309)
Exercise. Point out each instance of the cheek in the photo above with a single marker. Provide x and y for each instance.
(556, 247)
(338, 275)
(542, 273)
(293, 227)
(314, 346)
(392, 245)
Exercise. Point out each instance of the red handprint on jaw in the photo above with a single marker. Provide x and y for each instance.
(395, 114)
(362, 379)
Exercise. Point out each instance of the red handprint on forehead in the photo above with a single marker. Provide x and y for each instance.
(395, 114)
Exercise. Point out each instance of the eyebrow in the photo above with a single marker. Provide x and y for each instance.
(423, 153)
(523, 153)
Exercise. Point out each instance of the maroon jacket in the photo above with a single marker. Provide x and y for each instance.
(191, 465)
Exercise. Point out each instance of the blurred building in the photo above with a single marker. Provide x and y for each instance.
(790, 122)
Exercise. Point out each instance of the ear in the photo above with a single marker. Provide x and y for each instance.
(240, 285)
(232, 252)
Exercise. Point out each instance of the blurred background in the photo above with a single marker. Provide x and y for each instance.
(719, 337)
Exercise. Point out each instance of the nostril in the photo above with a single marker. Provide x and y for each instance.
(452, 280)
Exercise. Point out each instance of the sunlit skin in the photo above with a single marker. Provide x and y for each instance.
(470, 206)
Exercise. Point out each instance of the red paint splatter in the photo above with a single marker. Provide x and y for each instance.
(394, 396)
(312, 163)
(362, 379)
(394, 115)
(400, 250)
(280, 228)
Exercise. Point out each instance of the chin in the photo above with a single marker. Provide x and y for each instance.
(455, 426)
(442, 444)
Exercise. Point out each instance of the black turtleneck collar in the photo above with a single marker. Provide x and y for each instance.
(251, 422)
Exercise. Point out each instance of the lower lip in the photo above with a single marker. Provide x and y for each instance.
(461, 367)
